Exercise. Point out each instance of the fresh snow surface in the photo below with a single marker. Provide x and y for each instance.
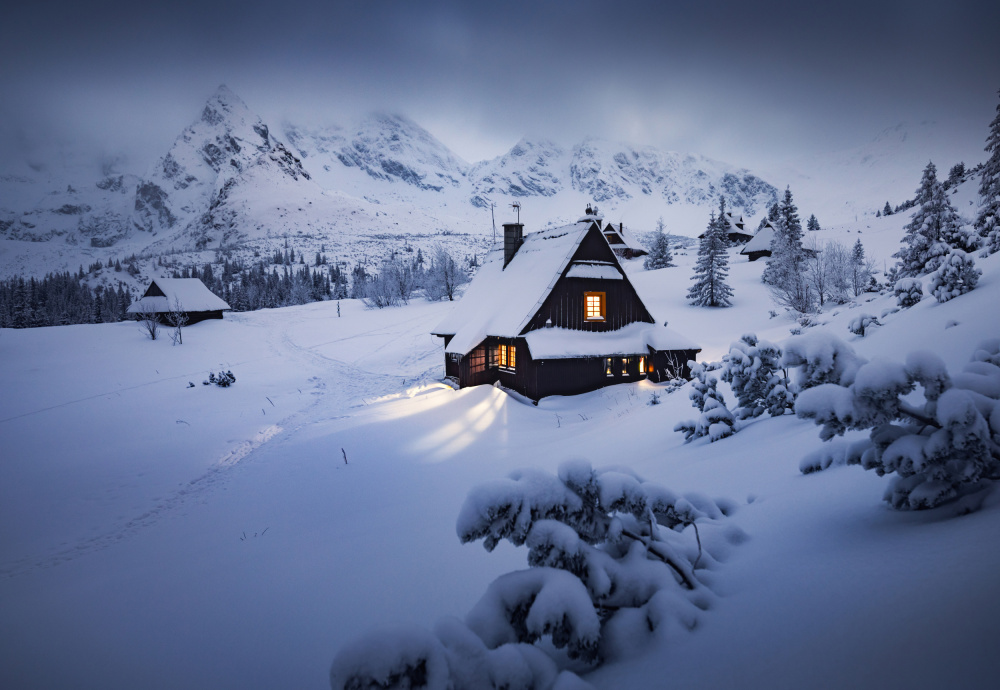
(156, 535)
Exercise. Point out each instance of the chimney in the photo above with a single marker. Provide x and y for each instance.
(513, 236)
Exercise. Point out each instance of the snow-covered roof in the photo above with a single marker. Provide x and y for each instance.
(761, 242)
(735, 221)
(594, 269)
(190, 293)
(500, 301)
(625, 235)
(633, 339)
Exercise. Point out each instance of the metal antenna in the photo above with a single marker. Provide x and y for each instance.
(517, 205)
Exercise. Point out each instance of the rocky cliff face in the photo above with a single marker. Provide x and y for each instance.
(388, 148)
(607, 171)
(531, 168)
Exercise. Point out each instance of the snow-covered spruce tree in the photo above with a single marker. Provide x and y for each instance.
(716, 421)
(908, 292)
(861, 272)
(956, 276)
(753, 370)
(613, 558)
(785, 273)
(988, 219)
(812, 224)
(615, 561)
(887, 211)
(934, 228)
(817, 358)
(659, 254)
(939, 451)
(712, 267)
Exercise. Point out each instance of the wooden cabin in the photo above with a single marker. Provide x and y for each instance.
(188, 295)
(553, 313)
(760, 244)
(623, 242)
(736, 233)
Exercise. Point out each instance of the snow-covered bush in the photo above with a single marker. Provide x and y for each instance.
(947, 447)
(908, 292)
(753, 370)
(450, 657)
(223, 380)
(860, 324)
(819, 358)
(957, 275)
(716, 421)
(614, 562)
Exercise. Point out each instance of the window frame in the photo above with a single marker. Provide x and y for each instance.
(602, 301)
(506, 357)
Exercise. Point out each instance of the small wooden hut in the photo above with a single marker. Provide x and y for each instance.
(189, 296)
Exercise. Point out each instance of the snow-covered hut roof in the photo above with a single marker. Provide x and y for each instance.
(633, 339)
(735, 221)
(190, 293)
(625, 237)
(761, 242)
(501, 301)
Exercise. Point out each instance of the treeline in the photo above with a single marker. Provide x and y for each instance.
(60, 299)
(283, 279)
(264, 285)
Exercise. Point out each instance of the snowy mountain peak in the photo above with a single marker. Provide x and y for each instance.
(530, 168)
(607, 171)
(186, 189)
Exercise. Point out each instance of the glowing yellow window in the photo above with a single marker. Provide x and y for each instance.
(607, 367)
(642, 366)
(508, 357)
(625, 362)
(593, 306)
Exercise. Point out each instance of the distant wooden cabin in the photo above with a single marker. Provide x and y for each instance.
(553, 313)
(760, 244)
(736, 234)
(190, 295)
(623, 242)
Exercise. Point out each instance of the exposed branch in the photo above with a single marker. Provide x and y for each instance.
(651, 545)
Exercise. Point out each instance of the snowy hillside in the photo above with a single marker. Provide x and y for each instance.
(848, 185)
(174, 535)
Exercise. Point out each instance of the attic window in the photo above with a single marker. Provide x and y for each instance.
(507, 357)
(593, 306)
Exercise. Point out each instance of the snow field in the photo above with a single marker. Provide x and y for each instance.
(154, 535)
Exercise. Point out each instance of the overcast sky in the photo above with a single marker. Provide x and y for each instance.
(739, 81)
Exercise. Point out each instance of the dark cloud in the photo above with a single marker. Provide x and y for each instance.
(735, 80)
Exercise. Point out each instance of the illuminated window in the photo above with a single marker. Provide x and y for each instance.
(642, 366)
(607, 367)
(593, 306)
(625, 363)
(507, 357)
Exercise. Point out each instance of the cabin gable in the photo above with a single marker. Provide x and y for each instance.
(566, 304)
